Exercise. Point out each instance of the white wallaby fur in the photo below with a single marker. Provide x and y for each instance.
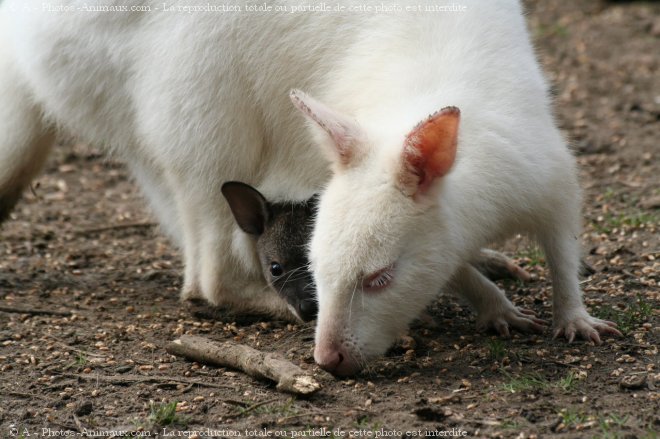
(193, 100)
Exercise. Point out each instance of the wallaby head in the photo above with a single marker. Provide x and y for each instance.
(373, 252)
(282, 231)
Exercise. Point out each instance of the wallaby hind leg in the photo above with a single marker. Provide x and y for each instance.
(495, 266)
(25, 138)
(558, 234)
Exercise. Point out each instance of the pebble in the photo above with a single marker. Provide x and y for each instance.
(655, 28)
(633, 381)
(407, 342)
(626, 359)
(84, 408)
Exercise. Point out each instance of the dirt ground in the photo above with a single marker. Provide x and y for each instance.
(83, 243)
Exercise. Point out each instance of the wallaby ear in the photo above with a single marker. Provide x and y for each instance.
(429, 151)
(251, 210)
(345, 133)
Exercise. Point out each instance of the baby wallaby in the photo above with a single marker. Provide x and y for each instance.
(282, 232)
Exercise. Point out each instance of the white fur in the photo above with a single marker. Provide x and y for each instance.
(193, 100)
(189, 101)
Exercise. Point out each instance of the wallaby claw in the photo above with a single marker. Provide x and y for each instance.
(521, 319)
(587, 327)
(571, 336)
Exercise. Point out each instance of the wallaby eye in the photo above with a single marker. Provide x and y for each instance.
(378, 280)
(276, 269)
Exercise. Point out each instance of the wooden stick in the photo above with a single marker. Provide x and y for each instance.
(34, 312)
(289, 377)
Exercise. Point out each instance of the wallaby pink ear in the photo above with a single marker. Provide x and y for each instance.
(429, 151)
(344, 133)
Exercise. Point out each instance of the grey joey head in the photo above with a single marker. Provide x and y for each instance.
(282, 231)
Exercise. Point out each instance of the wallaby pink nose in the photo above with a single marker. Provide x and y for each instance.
(335, 359)
(330, 361)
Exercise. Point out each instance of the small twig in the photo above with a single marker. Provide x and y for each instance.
(300, 415)
(79, 351)
(132, 379)
(524, 359)
(34, 312)
(78, 423)
(272, 366)
(257, 405)
(59, 386)
(635, 345)
(186, 389)
(27, 395)
(116, 227)
(559, 363)
(315, 413)
(237, 403)
(487, 422)
(65, 427)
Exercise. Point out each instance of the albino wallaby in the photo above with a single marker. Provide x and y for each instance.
(282, 232)
(190, 100)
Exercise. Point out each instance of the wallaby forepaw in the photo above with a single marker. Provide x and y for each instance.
(587, 327)
(521, 319)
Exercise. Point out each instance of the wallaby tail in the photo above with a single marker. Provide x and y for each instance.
(25, 138)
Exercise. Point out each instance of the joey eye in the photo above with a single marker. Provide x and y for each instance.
(276, 269)
(378, 280)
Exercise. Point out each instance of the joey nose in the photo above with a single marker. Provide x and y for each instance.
(336, 360)
(307, 309)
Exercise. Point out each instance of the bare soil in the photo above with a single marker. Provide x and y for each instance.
(82, 242)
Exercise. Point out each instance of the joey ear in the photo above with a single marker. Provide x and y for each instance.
(250, 209)
(429, 151)
(345, 133)
(312, 204)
